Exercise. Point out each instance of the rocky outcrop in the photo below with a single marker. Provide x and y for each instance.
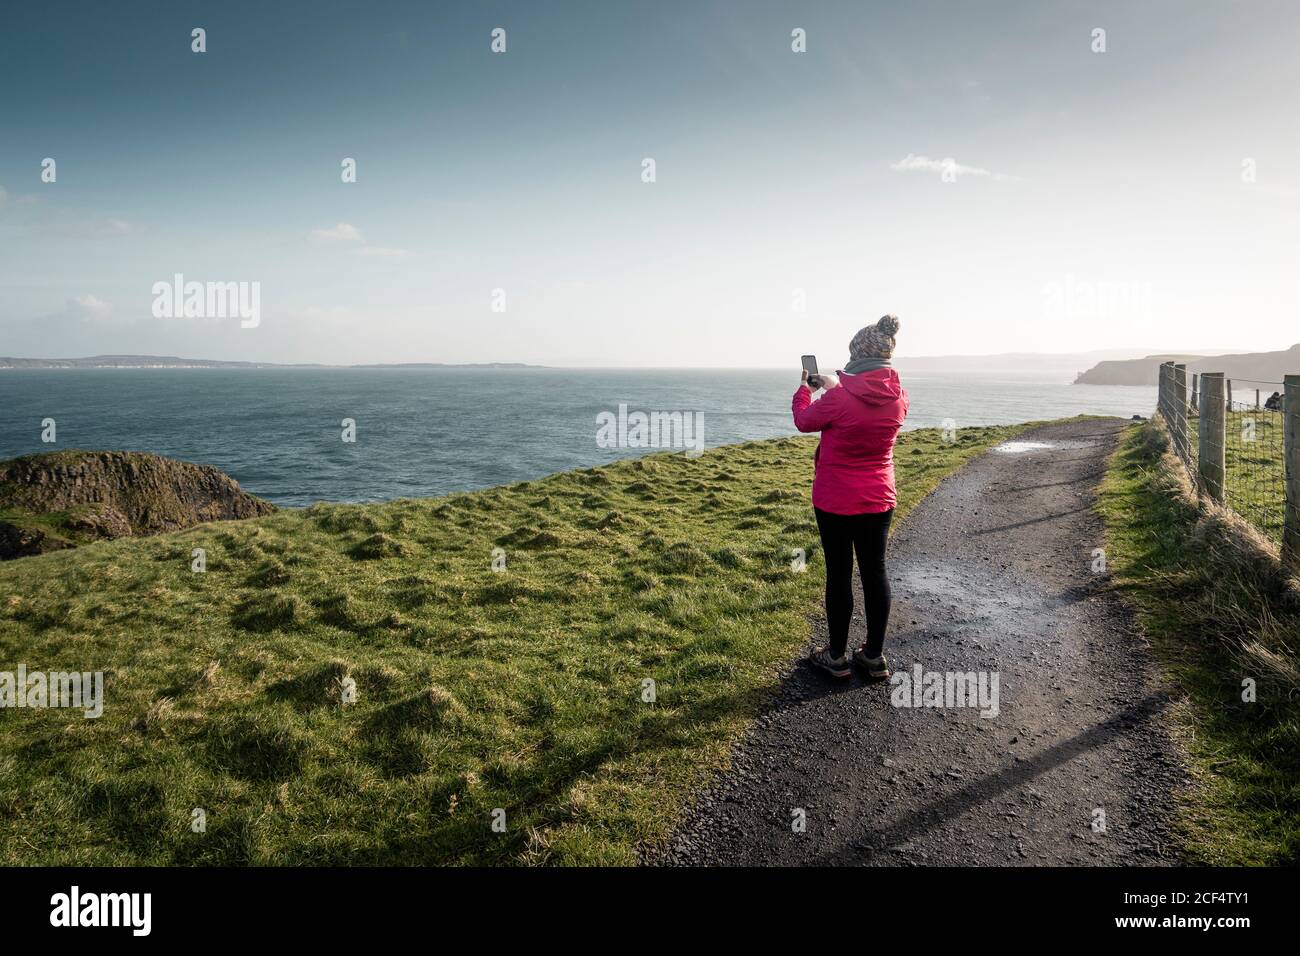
(63, 499)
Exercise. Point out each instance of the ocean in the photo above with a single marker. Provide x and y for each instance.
(428, 432)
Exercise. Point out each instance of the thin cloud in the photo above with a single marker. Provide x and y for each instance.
(343, 232)
(70, 224)
(912, 163)
(89, 307)
(15, 202)
(25, 213)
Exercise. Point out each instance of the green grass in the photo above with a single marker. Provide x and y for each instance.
(1218, 610)
(476, 690)
(59, 526)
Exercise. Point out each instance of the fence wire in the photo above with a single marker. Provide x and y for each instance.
(1255, 480)
(1254, 466)
(1179, 418)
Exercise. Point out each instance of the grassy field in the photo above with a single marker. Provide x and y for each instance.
(1219, 612)
(522, 690)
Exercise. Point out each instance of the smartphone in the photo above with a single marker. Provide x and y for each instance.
(810, 366)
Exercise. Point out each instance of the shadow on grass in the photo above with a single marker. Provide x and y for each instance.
(1216, 612)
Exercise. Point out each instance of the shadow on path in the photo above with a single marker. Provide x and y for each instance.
(936, 814)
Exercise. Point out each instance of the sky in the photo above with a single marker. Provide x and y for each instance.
(980, 170)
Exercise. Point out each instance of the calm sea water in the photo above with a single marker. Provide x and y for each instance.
(426, 432)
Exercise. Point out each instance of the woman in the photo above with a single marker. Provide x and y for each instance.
(853, 489)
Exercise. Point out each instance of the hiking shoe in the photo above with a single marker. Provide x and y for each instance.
(835, 666)
(877, 668)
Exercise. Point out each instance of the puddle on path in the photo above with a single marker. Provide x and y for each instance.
(1022, 447)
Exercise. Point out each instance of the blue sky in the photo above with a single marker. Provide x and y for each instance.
(1097, 199)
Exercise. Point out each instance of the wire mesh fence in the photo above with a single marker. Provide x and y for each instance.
(1173, 407)
(1243, 462)
(1255, 481)
(1232, 443)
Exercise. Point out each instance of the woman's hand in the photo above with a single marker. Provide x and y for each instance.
(803, 377)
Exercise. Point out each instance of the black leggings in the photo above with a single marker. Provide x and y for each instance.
(841, 536)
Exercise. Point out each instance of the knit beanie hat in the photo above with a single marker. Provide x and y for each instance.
(875, 341)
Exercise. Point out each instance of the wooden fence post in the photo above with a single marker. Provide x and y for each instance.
(1291, 465)
(1196, 391)
(1211, 432)
(1227, 395)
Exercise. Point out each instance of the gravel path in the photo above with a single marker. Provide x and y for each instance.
(991, 573)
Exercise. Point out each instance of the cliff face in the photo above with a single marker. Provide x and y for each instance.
(1259, 366)
(64, 499)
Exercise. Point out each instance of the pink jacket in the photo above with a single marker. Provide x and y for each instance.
(859, 420)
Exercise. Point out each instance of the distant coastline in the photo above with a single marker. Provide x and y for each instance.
(1103, 367)
(172, 361)
(1004, 361)
(1258, 367)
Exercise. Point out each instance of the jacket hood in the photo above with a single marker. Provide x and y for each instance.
(878, 387)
